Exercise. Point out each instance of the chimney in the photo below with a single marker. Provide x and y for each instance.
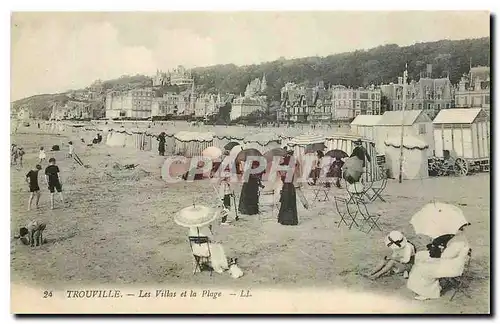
(400, 80)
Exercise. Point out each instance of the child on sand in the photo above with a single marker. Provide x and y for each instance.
(53, 179)
(20, 153)
(226, 193)
(401, 259)
(41, 155)
(32, 180)
(70, 149)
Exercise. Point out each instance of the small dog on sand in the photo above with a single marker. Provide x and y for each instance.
(34, 230)
(234, 270)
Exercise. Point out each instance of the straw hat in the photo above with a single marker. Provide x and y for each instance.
(395, 240)
(195, 216)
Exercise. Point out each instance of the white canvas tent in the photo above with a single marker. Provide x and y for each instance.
(415, 157)
(415, 123)
(465, 131)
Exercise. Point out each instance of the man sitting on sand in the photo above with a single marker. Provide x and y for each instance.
(402, 258)
(53, 179)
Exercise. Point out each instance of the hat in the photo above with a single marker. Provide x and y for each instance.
(195, 216)
(395, 240)
(358, 141)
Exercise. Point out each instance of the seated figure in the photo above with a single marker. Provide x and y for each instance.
(430, 265)
(217, 255)
(401, 259)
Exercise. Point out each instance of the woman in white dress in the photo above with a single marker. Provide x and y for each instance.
(218, 257)
(425, 274)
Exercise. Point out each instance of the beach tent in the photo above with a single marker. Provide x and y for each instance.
(415, 123)
(191, 144)
(345, 142)
(415, 157)
(365, 126)
(116, 139)
(464, 131)
(261, 141)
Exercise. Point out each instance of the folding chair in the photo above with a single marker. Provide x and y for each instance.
(460, 283)
(321, 191)
(376, 188)
(202, 262)
(356, 191)
(368, 221)
(268, 198)
(346, 212)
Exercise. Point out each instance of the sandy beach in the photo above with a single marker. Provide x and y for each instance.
(118, 228)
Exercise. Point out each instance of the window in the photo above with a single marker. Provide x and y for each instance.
(419, 106)
(421, 129)
(123, 114)
(487, 100)
(438, 106)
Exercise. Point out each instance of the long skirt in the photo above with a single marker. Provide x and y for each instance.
(218, 258)
(288, 209)
(249, 198)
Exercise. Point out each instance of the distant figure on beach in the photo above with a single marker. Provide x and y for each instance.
(53, 179)
(70, 149)
(32, 180)
(161, 143)
(41, 155)
(20, 153)
(13, 154)
(249, 197)
(288, 208)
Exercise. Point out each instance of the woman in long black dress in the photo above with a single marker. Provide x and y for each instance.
(288, 209)
(249, 197)
(161, 145)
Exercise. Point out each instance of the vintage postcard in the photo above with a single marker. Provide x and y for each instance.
(250, 162)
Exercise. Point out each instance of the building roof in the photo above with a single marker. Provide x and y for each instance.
(366, 120)
(457, 116)
(394, 118)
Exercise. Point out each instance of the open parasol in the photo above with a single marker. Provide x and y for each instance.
(337, 154)
(313, 148)
(245, 154)
(175, 168)
(212, 153)
(229, 146)
(269, 155)
(195, 216)
(436, 219)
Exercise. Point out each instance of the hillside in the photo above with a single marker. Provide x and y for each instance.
(382, 64)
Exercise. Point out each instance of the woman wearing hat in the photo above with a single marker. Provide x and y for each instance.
(401, 259)
(355, 164)
(198, 220)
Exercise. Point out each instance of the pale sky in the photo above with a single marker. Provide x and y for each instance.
(55, 52)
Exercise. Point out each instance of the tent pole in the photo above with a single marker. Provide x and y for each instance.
(405, 75)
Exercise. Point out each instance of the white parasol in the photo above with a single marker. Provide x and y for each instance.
(195, 216)
(212, 153)
(436, 219)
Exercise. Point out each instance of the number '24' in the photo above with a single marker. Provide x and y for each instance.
(47, 294)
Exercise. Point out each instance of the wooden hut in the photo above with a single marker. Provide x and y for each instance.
(465, 131)
(365, 126)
